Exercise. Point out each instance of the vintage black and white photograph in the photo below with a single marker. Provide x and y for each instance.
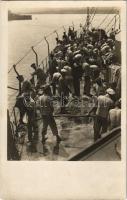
(64, 83)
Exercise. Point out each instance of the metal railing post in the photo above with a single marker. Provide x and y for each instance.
(48, 52)
(47, 46)
(18, 76)
(35, 55)
(64, 28)
(43, 66)
(115, 23)
(56, 34)
(46, 64)
(73, 25)
(15, 120)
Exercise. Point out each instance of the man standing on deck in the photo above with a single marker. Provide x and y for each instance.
(26, 88)
(115, 115)
(55, 81)
(103, 105)
(77, 74)
(87, 81)
(30, 111)
(63, 90)
(41, 77)
(47, 114)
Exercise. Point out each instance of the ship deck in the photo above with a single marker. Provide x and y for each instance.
(76, 132)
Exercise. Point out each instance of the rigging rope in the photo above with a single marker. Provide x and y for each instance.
(92, 9)
(90, 12)
(112, 26)
(93, 15)
(110, 21)
(20, 60)
(38, 42)
(105, 18)
(34, 46)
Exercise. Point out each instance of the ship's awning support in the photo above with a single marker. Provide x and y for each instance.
(35, 55)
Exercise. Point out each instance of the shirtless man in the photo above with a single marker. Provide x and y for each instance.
(115, 115)
(46, 108)
(101, 110)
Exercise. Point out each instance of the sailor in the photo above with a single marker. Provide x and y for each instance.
(95, 72)
(87, 81)
(69, 55)
(99, 87)
(63, 90)
(41, 77)
(77, 73)
(46, 107)
(112, 34)
(52, 64)
(55, 81)
(115, 115)
(65, 38)
(22, 110)
(69, 79)
(97, 57)
(58, 41)
(103, 105)
(26, 88)
(33, 66)
(30, 111)
(68, 69)
(71, 34)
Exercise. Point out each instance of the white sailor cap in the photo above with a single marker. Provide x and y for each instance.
(63, 71)
(110, 91)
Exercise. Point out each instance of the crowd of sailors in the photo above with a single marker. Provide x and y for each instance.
(78, 58)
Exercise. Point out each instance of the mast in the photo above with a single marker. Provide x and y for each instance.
(88, 19)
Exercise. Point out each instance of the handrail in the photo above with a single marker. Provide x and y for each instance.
(85, 153)
(105, 18)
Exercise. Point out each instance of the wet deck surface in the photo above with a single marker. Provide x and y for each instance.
(75, 137)
(76, 134)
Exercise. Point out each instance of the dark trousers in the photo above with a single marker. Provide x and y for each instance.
(100, 126)
(48, 120)
(87, 85)
(22, 110)
(31, 125)
(76, 82)
(54, 88)
(63, 101)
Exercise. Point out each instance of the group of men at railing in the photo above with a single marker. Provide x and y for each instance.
(75, 59)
